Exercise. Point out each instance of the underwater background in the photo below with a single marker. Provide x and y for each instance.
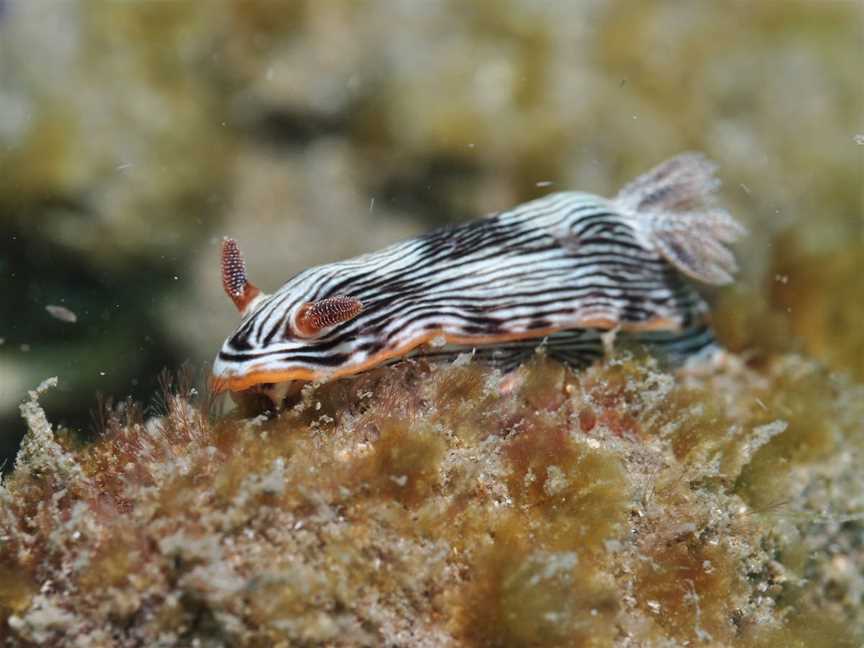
(133, 136)
(625, 505)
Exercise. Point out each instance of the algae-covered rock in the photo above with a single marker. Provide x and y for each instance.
(134, 135)
(424, 505)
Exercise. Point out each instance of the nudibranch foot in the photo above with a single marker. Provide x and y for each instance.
(266, 397)
(576, 349)
(556, 272)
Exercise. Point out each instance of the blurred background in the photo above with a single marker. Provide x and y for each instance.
(134, 135)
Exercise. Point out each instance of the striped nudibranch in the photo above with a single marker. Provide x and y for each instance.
(558, 271)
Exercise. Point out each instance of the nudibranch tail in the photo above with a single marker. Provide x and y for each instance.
(672, 204)
(241, 291)
(314, 317)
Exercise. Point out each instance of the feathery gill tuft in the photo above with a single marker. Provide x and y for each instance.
(672, 204)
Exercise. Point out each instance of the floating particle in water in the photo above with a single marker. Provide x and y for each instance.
(62, 313)
(544, 183)
(859, 139)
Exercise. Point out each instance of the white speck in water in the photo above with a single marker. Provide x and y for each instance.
(761, 404)
(102, 373)
(438, 341)
(745, 188)
(859, 139)
(781, 278)
(176, 278)
(544, 183)
(371, 205)
(62, 313)
(2, 341)
(125, 165)
(471, 145)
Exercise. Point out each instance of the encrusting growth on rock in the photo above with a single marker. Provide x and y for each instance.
(427, 505)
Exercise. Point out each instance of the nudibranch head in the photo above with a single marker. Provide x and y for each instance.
(298, 328)
(563, 268)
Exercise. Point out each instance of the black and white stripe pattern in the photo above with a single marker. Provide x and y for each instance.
(554, 268)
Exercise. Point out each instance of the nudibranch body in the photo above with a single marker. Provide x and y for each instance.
(557, 271)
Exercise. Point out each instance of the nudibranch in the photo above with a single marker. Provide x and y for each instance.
(565, 271)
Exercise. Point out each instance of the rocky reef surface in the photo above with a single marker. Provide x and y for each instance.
(417, 505)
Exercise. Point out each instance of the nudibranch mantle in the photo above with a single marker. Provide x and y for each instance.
(559, 270)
